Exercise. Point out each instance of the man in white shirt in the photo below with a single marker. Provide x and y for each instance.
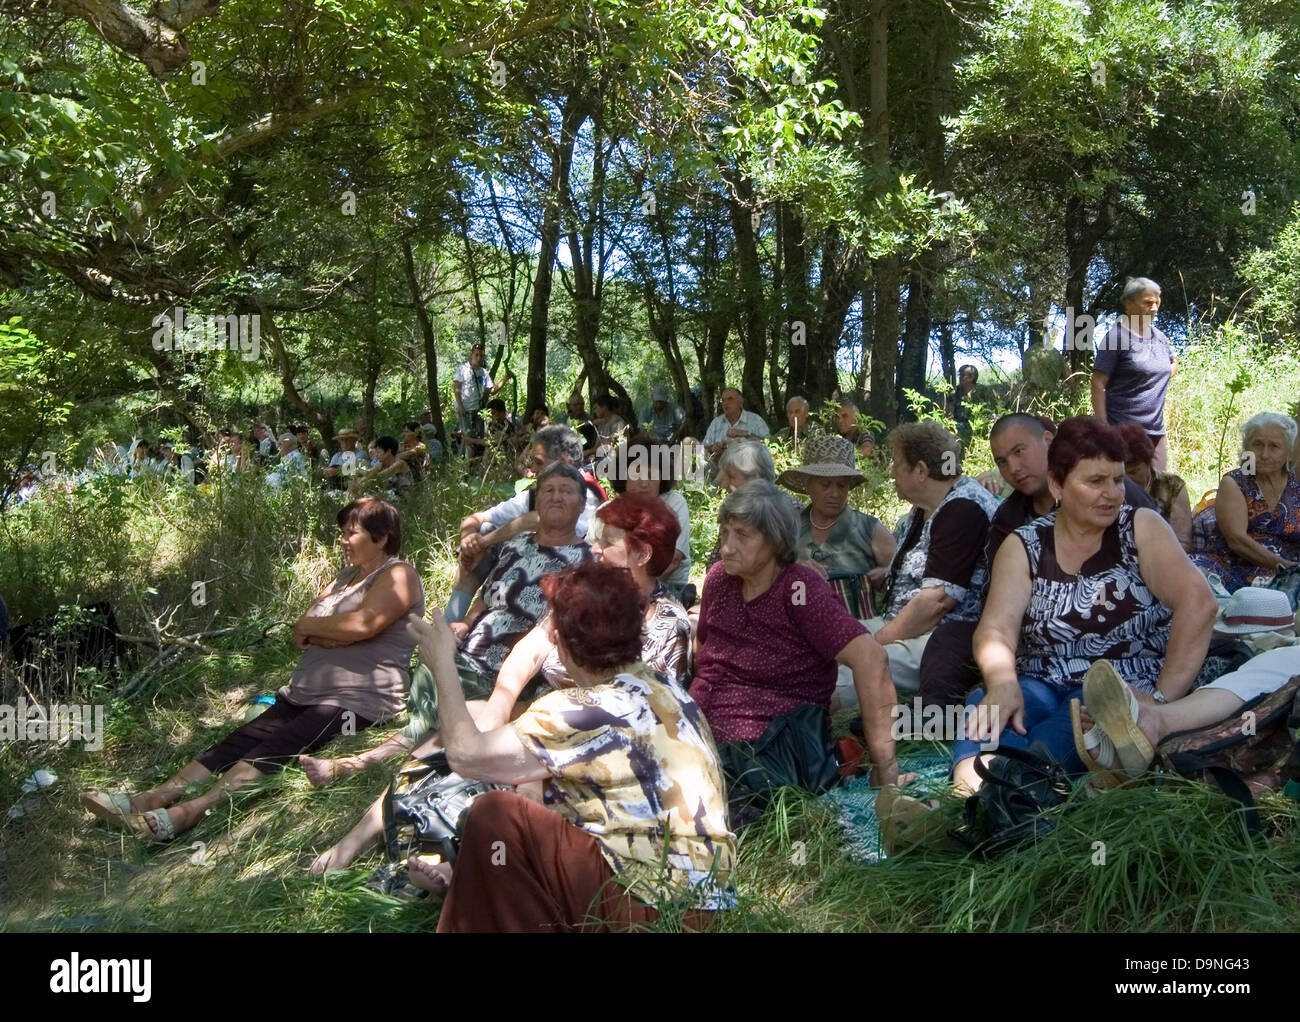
(471, 386)
(735, 423)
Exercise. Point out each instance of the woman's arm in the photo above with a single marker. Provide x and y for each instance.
(521, 665)
(1099, 381)
(1175, 582)
(876, 696)
(922, 612)
(1180, 518)
(996, 639)
(1233, 520)
(883, 546)
(497, 756)
(527, 522)
(389, 599)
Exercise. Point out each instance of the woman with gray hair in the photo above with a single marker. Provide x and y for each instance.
(1133, 366)
(740, 463)
(771, 633)
(1253, 527)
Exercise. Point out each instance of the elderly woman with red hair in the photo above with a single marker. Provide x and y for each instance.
(1167, 490)
(1096, 580)
(634, 809)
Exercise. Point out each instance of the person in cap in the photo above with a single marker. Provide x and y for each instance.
(662, 419)
(1116, 733)
(848, 548)
(343, 462)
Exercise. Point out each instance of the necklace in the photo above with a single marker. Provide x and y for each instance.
(824, 528)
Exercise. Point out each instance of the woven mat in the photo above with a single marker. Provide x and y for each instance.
(855, 802)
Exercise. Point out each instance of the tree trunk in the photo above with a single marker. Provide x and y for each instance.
(571, 119)
(801, 331)
(752, 318)
(916, 335)
(886, 272)
(430, 344)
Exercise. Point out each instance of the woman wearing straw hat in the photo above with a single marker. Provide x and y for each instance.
(851, 550)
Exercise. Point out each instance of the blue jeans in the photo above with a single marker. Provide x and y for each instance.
(1047, 720)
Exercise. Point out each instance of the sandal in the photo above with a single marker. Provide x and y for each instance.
(907, 822)
(1115, 709)
(139, 824)
(110, 806)
(1097, 752)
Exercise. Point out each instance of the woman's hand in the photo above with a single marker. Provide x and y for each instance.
(887, 773)
(300, 636)
(876, 577)
(458, 630)
(1001, 706)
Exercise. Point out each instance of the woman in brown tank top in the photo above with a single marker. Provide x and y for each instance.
(353, 672)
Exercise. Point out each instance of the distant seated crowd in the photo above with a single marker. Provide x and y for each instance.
(1068, 599)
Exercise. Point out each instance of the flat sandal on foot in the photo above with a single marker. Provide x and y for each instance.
(110, 806)
(1111, 706)
(139, 824)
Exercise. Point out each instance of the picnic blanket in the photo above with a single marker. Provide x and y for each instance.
(854, 802)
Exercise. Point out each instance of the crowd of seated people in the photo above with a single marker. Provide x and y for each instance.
(635, 735)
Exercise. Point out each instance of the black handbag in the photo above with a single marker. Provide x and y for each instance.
(425, 808)
(1021, 787)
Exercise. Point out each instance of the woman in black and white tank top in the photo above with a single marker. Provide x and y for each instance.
(1094, 580)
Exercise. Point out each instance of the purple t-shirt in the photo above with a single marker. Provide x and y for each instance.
(1139, 370)
(761, 659)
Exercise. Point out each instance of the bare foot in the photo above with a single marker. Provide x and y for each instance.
(1148, 722)
(429, 876)
(321, 773)
(340, 856)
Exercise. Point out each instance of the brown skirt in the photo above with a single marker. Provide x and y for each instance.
(523, 868)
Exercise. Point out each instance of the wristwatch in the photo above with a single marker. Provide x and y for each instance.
(1159, 697)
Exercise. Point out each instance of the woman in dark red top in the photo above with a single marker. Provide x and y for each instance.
(771, 633)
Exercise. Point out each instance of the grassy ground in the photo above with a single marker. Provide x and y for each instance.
(1170, 857)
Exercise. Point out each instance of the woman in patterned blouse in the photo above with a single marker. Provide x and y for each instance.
(633, 812)
(1094, 580)
(1253, 527)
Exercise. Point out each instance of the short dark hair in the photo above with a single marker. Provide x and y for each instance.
(1023, 419)
(604, 401)
(1140, 447)
(599, 613)
(972, 368)
(928, 442)
(413, 426)
(496, 405)
(300, 429)
(1080, 437)
(378, 518)
(387, 443)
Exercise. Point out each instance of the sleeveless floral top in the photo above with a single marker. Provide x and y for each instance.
(1105, 612)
